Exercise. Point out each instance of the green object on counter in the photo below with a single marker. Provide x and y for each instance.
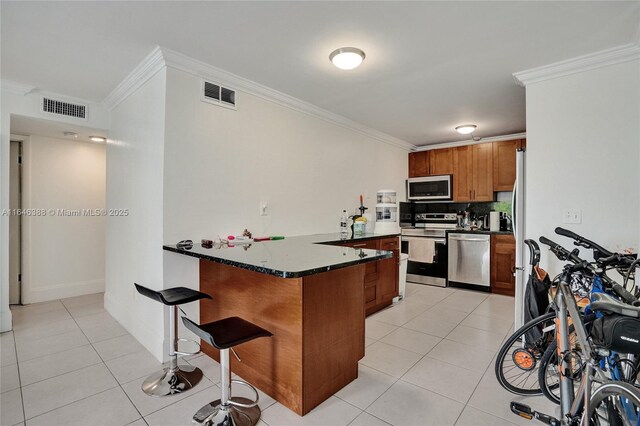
(279, 237)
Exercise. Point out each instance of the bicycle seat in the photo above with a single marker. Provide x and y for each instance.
(608, 304)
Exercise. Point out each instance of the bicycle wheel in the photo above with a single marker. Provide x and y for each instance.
(615, 403)
(549, 375)
(518, 360)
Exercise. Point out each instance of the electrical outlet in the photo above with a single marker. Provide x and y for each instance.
(571, 216)
(264, 209)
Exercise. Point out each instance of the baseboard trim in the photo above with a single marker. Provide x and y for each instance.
(138, 328)
(62, 291)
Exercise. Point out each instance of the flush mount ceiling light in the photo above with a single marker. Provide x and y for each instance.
(347, 58)
(71, 135)
(98, 138)
(465, 129)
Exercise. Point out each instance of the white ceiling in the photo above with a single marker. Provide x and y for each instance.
(430, 65)
(27, 126)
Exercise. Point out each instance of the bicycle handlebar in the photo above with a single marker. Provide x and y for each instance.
(561, 252)
(583, 242)
(616, 260)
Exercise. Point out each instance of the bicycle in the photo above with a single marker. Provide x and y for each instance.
(518, 362)
(622, 402)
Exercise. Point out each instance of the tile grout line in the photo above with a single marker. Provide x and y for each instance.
(477, 384)
(103, 362)
(73, 402)
(15, 349)
(465, 404)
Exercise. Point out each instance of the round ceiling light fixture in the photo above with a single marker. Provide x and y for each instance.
(347, 58)
(97, 139)
(71, 135)
(465, 129)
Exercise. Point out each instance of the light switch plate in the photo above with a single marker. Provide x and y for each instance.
(571, 216)
(264, 209)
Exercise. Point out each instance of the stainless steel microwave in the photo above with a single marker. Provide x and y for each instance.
(430, 188)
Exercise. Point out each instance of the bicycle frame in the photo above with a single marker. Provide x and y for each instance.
(566, 308)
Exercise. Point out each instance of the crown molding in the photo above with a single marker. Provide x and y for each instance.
(472, 142)
(203, 70)
(17, 88)
(603, 58)
(146, 69)
(162, 57)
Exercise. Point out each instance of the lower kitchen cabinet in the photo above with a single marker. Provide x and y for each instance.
(381, 277)
(503, 263)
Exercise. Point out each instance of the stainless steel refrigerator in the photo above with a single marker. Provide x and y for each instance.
(518, 218)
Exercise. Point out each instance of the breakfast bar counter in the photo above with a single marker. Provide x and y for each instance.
(305, 290)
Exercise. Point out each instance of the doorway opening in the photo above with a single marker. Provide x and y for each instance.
(58, 210)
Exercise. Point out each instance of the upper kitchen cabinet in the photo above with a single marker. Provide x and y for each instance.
(504, 164)
(441, 161)
(419, 164)
(473, 173)
(482, 158)
(462, 173)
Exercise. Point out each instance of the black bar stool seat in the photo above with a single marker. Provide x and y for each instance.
(173, 296)
(224, 334)
(227, 333)
(175, 378)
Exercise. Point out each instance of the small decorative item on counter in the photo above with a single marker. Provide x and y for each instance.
(386, 212)
(246, 233)
(344, 224)
(272, 238)
(185, 244)
(362, 208)
(239, 240)
(466, 222)
(206, 243)
(359, 226)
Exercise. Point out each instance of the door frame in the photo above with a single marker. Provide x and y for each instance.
(20, 141)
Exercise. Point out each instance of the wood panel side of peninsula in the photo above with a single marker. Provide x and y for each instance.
(317, 323)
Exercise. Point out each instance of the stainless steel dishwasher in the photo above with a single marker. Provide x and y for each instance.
(469, 259)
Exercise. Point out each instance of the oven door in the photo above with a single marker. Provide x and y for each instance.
(427, 263)
(435, 188)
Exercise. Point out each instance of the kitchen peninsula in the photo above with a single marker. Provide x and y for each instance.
(310, 292)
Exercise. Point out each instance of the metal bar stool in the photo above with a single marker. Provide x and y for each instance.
(224, 335)
(175, 378)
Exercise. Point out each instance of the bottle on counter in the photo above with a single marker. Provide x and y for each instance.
(344, 224)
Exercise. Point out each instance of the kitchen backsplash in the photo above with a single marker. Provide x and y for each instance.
(503, 204)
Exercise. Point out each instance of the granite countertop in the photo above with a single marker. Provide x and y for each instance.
(292, 257)
(485, 232)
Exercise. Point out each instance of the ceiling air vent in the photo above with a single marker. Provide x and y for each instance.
(218, 95)
(53, 106)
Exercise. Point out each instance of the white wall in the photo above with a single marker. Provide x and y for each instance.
(583, 152)
(13, 100)
(63, 256)
(220, 164)
(196, 170)
(135, 155)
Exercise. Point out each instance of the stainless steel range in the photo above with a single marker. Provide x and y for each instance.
(426, 245)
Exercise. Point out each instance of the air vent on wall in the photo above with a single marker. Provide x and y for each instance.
(218, 95)
(53, 106)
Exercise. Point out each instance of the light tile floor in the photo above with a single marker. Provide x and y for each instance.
(429, 361)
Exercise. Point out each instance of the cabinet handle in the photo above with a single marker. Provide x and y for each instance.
(471, 198)
(359, 245)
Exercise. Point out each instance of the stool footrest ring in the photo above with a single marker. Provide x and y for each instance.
(188, 353)
(239, 404)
